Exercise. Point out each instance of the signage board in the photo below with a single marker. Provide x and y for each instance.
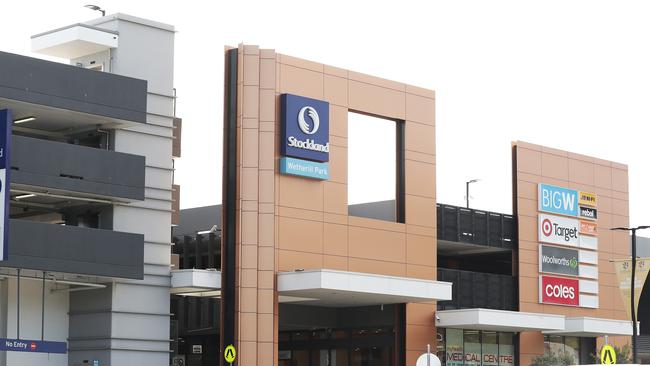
(587, 199)
(558, 260)
(588, 213)
(624, 276)
(427, 359)
(588, 228)
(608, 355)
(197, 349)
(6, 121)
(304, 128)
(230, 354)
(26, 345)
(557, 200)
(304, 168)
(558, 230)
(559, 291)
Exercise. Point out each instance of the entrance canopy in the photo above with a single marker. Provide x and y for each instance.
(498, 320)
(196, 282)
(594, 327)
(332, 288)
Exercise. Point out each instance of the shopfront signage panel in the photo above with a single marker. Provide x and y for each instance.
(6, 121)
(559, 291)
(587, 199)
(304, 128)
(558, 260)
(557, 200)
(558, 230)
(589, 213)
(588, 228)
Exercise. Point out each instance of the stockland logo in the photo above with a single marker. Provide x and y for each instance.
(304, 125)
(305, 128)
(558, 200)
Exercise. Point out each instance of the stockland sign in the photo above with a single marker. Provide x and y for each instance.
(304, 137)
(558, 230)
(558, 200)
(558, 260)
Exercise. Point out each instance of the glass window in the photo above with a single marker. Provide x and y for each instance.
(472, 347)
(572, 347)
(506, 349)
(454, 347)
(490, 355)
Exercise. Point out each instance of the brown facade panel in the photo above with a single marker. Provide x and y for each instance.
(537, 164)
(177, 129)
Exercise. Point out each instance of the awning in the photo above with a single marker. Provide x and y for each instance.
(74, 41)
(196, 282)
(594, 327)
(498, 320)
(332, 288)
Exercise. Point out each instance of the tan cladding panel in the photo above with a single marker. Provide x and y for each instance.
(536, 164)
(312, 227)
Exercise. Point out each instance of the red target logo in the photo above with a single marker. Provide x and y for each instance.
(547, 227)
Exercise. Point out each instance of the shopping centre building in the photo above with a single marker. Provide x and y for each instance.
(287, 270)
(309, 279)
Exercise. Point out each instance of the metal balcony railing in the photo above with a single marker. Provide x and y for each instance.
(459, 224)
(478, 290)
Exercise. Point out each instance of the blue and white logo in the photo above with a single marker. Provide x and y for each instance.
(558, 200)
(304, 128)
(304, 125)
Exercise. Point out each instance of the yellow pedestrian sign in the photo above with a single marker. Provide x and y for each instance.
(230, 353)
(607, 355)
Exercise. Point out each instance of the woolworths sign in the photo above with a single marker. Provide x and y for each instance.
(558, 260)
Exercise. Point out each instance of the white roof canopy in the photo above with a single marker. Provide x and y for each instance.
(332, 288)
(594, 327)
(498, 320)
(74, 41)
(196, 282)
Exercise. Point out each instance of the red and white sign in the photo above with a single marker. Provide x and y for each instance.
(589, 228)
(558, 230)
(560, 291)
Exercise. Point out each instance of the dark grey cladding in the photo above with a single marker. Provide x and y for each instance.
(67, 167)
(57, 85)
(71, 249)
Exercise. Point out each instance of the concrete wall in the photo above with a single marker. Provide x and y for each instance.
(289, 222)
(138, 311)
(56, 320)
(609, 181)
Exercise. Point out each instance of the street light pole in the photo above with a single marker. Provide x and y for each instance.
(632, 285)
(467, 190)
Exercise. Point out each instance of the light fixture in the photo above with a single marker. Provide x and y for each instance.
(95, 7)
(22, 196)
(23, 120)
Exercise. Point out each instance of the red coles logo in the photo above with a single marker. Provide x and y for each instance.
(562, 291)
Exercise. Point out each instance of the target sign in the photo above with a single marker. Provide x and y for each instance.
(559, 230)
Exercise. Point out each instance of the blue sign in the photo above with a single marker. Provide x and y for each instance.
(26, 345)
(304, 128)
(304, 168)
(6, 122)
(558, 200)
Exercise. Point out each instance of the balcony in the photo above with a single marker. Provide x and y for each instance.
(63, 97)
(71, 249)
(478, 290)
(475, 230)
(73, 170)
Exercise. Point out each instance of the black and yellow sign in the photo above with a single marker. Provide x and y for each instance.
(607, 355)
(230, 354)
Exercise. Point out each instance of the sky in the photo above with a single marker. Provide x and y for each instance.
(573, 75)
